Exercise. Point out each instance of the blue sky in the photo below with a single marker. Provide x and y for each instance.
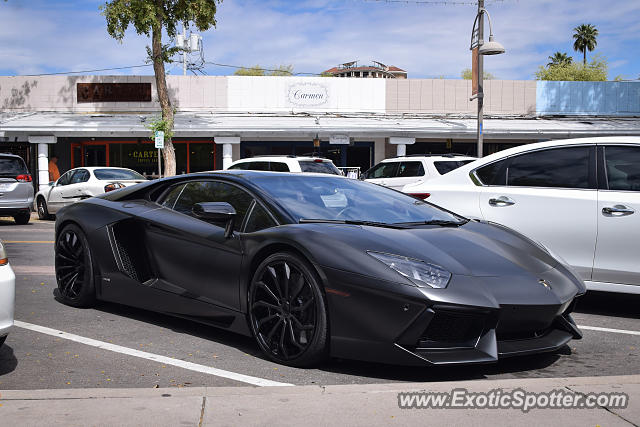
(45, 36)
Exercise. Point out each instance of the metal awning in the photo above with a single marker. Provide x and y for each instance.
(256, 125)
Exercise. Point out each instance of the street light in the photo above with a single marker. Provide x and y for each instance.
(492, 47)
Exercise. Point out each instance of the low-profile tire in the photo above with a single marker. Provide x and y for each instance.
(287, 311)
(74, 267)
(43, 211)
(22, 218)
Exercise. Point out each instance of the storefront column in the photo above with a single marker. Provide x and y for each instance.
(227, 143)
(378, 150)
(401, 143)
(43, 142)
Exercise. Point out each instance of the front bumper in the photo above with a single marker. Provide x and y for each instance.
(471, 321)
(7, 298)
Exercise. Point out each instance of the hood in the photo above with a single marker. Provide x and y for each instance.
(474, 249)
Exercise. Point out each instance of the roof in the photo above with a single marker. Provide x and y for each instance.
(296, 125)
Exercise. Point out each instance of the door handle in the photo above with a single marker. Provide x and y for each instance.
(501, 201)
(617, 210)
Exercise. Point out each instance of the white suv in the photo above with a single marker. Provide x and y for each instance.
(287, 164)
(399, 171)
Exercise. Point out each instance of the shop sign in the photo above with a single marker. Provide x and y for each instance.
(142, 157)
(339, 139)
(308, 94)
(113, 92)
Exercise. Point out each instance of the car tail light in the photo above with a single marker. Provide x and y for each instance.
(113, 186)
(422, 196)
(3, 255)
(24, 178)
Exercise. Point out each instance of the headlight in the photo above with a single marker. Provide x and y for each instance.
(422, 274)
(3, 255)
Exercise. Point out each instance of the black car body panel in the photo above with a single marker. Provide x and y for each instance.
(507, 296)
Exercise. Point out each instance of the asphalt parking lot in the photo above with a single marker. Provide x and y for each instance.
(120, 347)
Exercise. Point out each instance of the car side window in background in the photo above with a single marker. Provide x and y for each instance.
(64, 179)
(279, 167)
(316, 166)
(171, 197)
(446, 166)
(383, 170)
(623, 167)
(258, 166)
(559, 167)
(214, 191)
(259, 219)
(241, 166)
(409, 169)
(493, 174)
(79, 176)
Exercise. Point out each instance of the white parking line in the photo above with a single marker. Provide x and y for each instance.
(150, 356)
(615, 331)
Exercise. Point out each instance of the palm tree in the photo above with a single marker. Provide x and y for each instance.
(585, 39)
(560, 58)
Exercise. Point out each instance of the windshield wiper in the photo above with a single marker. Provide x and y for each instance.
(440, 222)
(353, 222)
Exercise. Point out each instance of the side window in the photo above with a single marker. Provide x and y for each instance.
(383, 170)
(64, 179)
(279, 167)
(558, 167)
(214, 191)
(171, 197)
(257, 166)
(493, 174)
(239, 166)
(408, 169)
(623, 167)
(259, 220)
(80, 175)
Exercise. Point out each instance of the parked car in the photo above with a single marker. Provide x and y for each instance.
(399, 171)
(579, 197)
(315, 265)
(7, 294)
(287, 164)
(16, 188)
(82, 183)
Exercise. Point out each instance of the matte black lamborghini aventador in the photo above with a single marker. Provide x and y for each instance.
(317, 265)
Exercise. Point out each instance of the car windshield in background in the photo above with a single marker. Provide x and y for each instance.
(12, 167)
(319, 167)
(111, 174)
(340, 199)
(449, 165)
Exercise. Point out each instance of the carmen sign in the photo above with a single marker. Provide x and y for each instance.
(114, 92)
(307, 94)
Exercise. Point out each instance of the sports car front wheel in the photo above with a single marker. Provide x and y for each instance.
(74, 270)
(287, 311)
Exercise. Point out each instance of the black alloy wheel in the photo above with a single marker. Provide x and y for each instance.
(287, 311)
(43, 212)
(74, 271)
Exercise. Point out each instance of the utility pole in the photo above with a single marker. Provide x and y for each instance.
(480, 75)
(184, 52)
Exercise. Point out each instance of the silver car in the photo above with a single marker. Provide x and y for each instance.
(16, 188)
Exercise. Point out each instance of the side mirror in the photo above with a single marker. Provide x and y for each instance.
(217, 212)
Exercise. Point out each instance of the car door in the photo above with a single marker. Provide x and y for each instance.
(76, 189)
(550, 196)
(617, 258)
(382, 172)
(408, 172)
(55, 201)
(193, 256)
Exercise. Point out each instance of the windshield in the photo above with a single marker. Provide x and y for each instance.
(111, 174)
(12, 166)
(334, 198)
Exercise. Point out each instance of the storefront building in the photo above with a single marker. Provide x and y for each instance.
(104, 120)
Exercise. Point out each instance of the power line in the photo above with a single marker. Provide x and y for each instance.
(262, 69)
(86, 71)
(434, 2)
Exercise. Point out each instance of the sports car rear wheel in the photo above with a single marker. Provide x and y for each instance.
(287, 311)
(74, 271)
